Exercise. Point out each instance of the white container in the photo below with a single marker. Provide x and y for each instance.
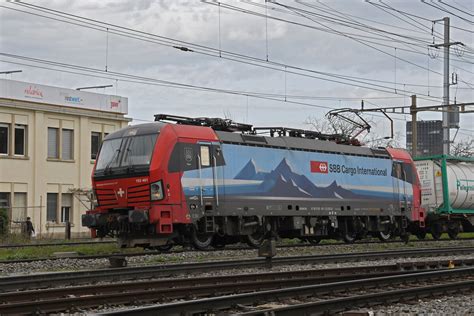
(460, 184)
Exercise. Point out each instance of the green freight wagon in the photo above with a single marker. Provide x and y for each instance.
(447, 194)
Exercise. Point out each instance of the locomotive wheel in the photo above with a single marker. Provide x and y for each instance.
(201, 241)
(436, 235)
(349, 237)
(421, 235)
(384, 236)
(218, 242)
(314, 240)
(165, 248)
(254, 240)
(436, 231)
(405, 237)
(453, 233)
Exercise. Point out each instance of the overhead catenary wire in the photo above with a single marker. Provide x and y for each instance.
(247, 60)
(191, 47)
(299, 24)
(455, 8)
(382, 4)
(307, 97)
(447, 11)
(401, 83)
(357, 40)
(169, 84)
(305, 14)
(367, 38)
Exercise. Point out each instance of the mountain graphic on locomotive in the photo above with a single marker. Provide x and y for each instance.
(211, 182)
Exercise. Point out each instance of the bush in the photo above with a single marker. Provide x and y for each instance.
(3, 222)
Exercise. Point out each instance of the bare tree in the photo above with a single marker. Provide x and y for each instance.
(333, 125)
(374, 140)
(463, 148)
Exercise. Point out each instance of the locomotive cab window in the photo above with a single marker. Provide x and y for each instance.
(397, 170)
(403, 171)
(408, 171)
(205, 156)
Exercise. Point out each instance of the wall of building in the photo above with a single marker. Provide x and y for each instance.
(37, 175)
(430, 138)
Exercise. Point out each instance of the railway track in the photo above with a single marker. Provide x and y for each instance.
(45, 280)
(327, 298)
(77, 298)
(282, 246)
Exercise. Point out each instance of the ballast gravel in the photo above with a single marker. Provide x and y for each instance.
(71, 264)
(452, 305)
(460, 305)
(444, 305)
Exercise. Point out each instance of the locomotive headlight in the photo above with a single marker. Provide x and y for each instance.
(156, 191)
(93, 199)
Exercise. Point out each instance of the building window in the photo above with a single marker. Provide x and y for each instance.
(20, 140)
(4, 200)
(66, 207)
(96, 140)
(67, 144)
(53, 135)
(4, 136)
(19, 206)
(52, 207)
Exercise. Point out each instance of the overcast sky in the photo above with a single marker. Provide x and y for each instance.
(299, 39)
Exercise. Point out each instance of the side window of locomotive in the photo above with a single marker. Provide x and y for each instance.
(408, 170)
(205, 156)
(397, 170)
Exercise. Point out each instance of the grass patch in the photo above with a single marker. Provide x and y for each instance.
(34, 252)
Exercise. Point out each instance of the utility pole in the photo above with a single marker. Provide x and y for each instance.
(414, 130)
(446, 114)
(446, 138)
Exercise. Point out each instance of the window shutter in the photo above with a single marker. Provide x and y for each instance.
(52, 142)
(20, 137)
(67, 144)
(66, 199)
(66, 207)
(19, 206)
(4, 139)
(52, 207)
(95, 144)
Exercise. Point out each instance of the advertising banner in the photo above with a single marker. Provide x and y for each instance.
(24, 91)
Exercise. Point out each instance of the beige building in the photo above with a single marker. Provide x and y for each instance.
(49, 138)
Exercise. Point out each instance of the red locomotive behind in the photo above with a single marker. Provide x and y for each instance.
(210, 182)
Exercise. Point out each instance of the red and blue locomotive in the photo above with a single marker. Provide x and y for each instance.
(210, 182)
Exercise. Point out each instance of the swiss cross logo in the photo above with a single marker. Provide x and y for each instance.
(120, 192)
(319, 166)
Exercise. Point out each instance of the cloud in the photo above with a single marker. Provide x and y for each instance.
(198, 23)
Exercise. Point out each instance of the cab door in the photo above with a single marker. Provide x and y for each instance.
(400, 190)
(210, 176)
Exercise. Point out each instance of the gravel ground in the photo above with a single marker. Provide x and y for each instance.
(445, 305)
(457, 305)
(68, 264)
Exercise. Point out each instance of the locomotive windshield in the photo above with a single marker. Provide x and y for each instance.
(125, 155)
